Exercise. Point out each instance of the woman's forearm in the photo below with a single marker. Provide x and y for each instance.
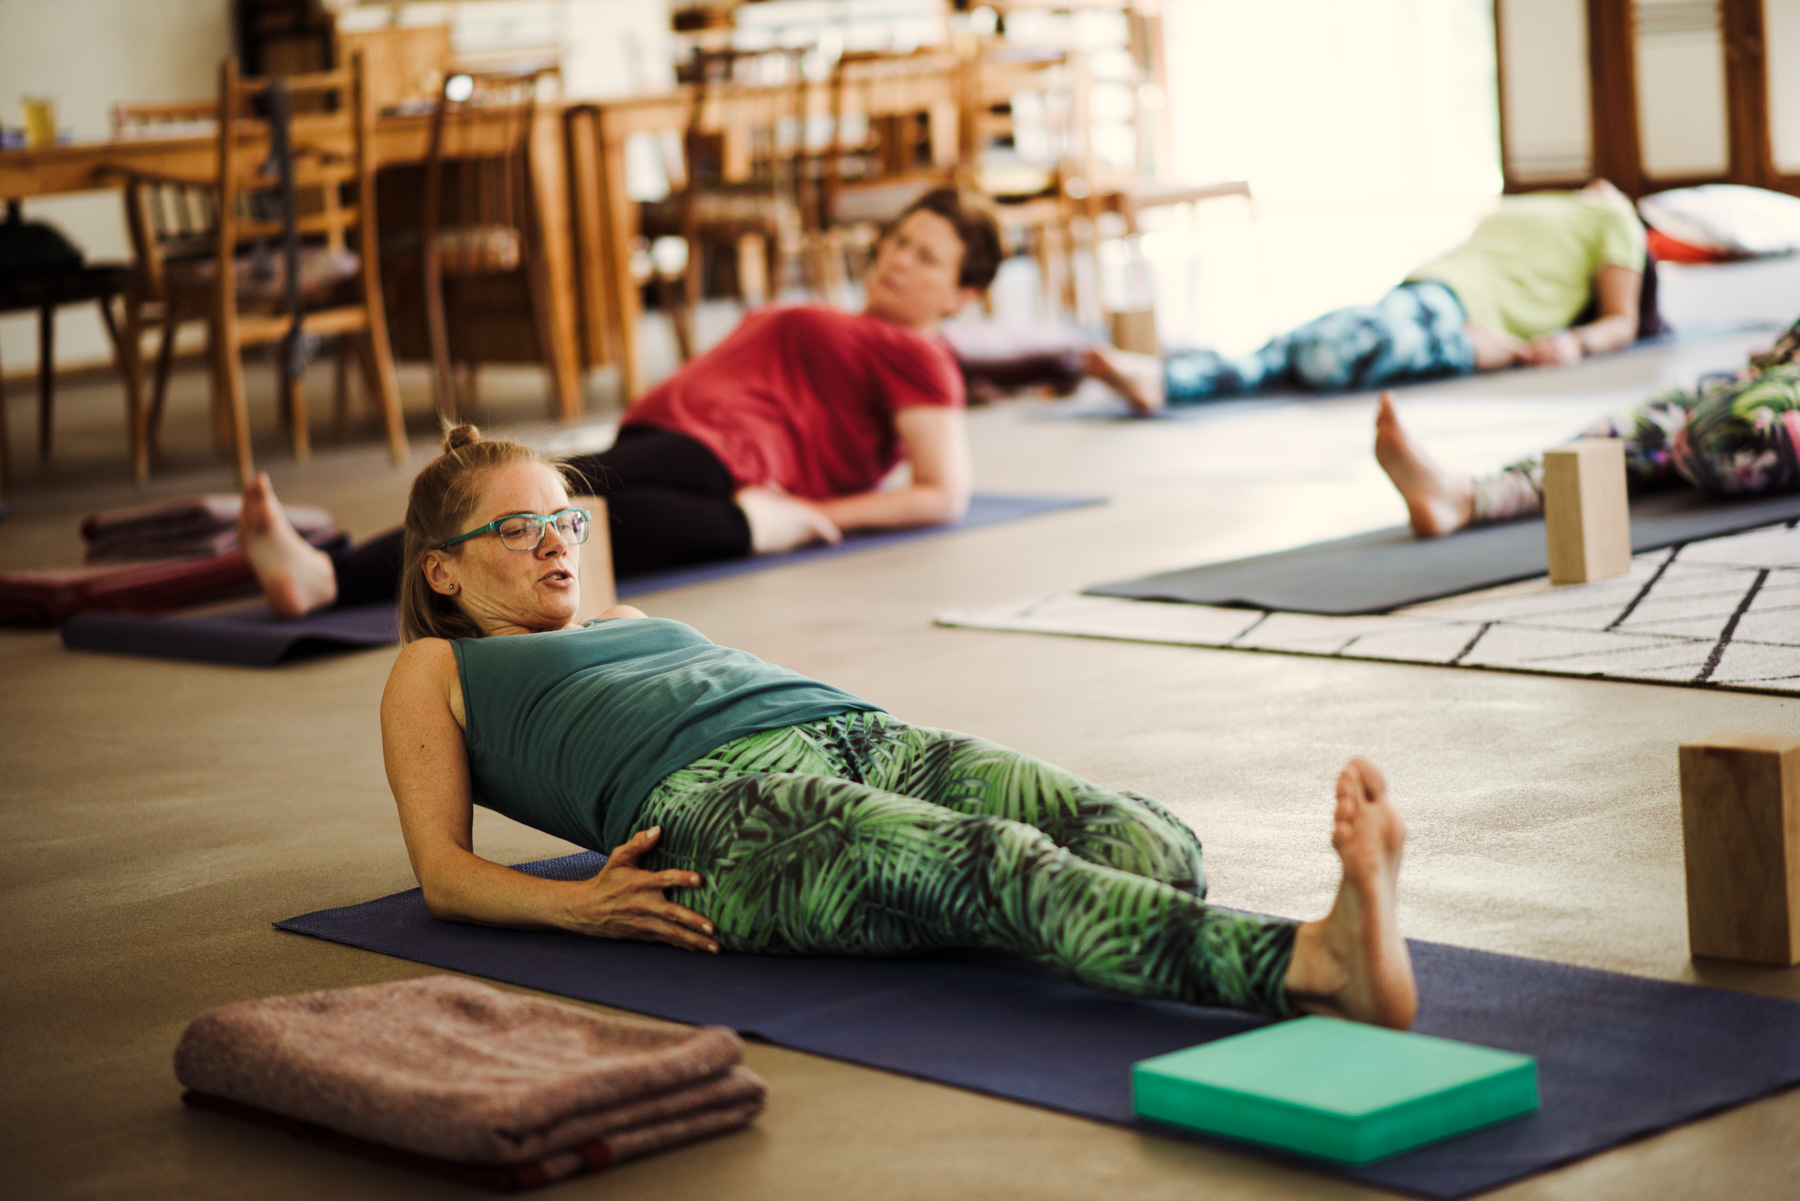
(461, 886)
(917, 504)
(1607, 334)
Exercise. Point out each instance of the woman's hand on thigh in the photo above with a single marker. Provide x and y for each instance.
(625, 901)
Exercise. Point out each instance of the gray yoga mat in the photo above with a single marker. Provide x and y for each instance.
(1386, 569)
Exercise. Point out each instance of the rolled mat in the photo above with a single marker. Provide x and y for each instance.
(1386, 569)
(1619, 1057)
(458, 1072)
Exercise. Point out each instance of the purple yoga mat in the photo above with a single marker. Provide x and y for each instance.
(1619, 1057)
(249, 637)
(254, 637)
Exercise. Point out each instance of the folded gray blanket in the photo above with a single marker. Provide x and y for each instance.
(454, 1069)
(190, 527)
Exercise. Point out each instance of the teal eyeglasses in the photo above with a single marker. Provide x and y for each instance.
(523, 531)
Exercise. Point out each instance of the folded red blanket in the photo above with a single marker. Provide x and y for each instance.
(191, 525)
(47, 595)
(456, 1070)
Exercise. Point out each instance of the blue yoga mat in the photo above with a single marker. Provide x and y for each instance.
(985, 508)
(1618, 1057)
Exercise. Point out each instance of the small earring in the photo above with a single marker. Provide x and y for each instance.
(453, 587)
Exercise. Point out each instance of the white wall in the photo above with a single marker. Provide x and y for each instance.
(88, 55)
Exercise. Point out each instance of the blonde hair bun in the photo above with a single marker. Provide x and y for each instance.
(459, 436)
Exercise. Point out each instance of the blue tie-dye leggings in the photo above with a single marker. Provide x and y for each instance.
(1413, 332)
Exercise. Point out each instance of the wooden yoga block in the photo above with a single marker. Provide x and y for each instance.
(1135, 330)
(1740, 831)
(1333, 1089)
(1587, 520)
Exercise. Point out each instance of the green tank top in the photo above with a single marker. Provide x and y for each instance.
(569, 731)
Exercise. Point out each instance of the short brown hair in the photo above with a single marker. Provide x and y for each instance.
(975, 227)
(442, 499)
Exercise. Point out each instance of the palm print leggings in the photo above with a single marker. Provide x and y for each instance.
(1728, 435)
(861, 835)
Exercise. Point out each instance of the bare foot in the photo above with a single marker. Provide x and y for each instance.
(781, 522)
(296, 576)
(1353, 963)
(1136, 377)
(1437, 502)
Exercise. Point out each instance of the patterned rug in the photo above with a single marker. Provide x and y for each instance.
(1719, 613)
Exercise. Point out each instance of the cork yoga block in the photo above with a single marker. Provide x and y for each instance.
(1587, 519)
(1740, 831)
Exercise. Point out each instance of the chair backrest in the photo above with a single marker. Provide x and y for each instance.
(166, 218)
(329, 141)
(477, 175)
(894, 119)
(747, 122)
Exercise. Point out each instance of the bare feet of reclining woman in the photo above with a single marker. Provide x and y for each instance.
(1353, 963)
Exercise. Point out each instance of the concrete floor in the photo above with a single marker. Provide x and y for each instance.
(158, 816)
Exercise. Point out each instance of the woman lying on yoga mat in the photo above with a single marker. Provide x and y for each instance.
(789, 816)
(1508, 296)
(777, 437)
(1728, 435)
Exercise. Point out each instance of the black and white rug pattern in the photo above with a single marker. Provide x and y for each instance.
(1720, 613)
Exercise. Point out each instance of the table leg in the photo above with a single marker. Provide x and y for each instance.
(592, 280)
(550, 197)
(621, 232)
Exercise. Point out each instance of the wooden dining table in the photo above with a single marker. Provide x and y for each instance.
(399, 140)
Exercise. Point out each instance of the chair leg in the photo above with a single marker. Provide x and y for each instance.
(340, 390)
(5, 445)
(46, 377)
(231, 380)
(437, 327)
(293, 391)
(126, 355)
(384, 390)
(753, 269)
(159, 390)
(224, 440)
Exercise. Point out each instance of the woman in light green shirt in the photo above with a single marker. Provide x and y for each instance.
(1508, 296)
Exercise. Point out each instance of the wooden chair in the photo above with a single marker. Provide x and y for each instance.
(740, 180)
(1034, 165)
(170, 221)
(876, 165)
(256, 242)
(476, 209)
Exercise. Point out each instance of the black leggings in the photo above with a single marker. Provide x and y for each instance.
(669, 498)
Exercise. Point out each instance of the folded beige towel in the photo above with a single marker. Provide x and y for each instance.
(450, 1068)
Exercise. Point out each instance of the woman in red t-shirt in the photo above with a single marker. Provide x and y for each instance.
(777, 437)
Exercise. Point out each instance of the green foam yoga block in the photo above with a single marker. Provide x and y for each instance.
(1338, 1090)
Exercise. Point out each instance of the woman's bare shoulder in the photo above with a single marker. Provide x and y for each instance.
(423, 668)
